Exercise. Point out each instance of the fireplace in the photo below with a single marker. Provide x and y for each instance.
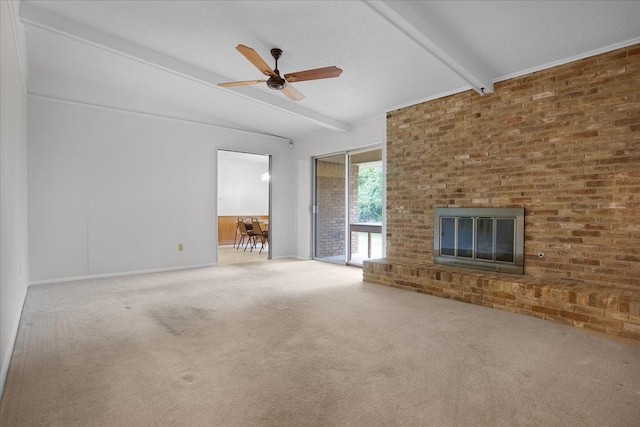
(484, 238)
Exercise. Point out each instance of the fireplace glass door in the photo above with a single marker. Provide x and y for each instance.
(485, 238)
(505, 240)
(465, 237)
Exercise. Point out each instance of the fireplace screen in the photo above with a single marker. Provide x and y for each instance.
(485, 238)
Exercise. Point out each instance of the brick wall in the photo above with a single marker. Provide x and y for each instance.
(330, 194)
(563, 143)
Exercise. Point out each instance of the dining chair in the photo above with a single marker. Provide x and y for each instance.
(238, 233)
(246, 232)
(259, 233)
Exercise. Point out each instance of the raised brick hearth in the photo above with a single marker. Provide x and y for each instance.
(607, 309)
(562, 143)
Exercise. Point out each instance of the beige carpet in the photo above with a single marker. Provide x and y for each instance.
(301, 343)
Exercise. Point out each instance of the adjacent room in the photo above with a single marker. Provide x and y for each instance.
(319, 213)
(243, 207)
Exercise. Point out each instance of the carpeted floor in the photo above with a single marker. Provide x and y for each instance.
(301, 343)
(228, 254)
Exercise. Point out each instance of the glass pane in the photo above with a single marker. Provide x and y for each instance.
(465, 237)
(484, 238)
(365, 205)
(330, 232)
(505, 229)
(447, 236)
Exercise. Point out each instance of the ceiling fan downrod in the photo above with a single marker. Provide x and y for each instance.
(276, 83)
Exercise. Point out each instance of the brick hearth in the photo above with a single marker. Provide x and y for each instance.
(607, 309)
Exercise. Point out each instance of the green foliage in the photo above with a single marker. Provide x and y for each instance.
(370, 194)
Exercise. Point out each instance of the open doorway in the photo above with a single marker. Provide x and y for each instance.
(244, 187)
(348, 201)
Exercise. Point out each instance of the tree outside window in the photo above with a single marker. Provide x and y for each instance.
(370, 194)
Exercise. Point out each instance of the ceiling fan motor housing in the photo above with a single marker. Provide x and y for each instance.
(276, 83)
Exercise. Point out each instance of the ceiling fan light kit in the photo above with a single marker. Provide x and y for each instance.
(275, 81)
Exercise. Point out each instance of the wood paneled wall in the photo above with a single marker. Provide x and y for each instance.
(227, 227)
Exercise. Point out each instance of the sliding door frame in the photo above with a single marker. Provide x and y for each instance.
(315, 209)
(314, 195)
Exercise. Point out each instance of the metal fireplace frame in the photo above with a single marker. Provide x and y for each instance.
(517, 214)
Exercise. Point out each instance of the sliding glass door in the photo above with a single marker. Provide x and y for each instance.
(365, 205)
(348, 207)
(330, 209)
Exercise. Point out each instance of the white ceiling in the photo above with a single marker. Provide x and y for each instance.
(166, 57)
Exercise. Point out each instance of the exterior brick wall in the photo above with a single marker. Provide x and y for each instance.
(564, 143)
(330, 193)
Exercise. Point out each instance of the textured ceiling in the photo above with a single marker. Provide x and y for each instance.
(166, 57)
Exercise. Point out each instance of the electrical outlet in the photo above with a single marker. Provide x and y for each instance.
(180, 247)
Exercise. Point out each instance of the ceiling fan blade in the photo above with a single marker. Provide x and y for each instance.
(243, 83)
(292, 93)
(315, 74)
(256, 60)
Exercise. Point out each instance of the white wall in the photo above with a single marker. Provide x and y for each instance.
(241, 191)
(112, 192)
(361, 136)
(13, 189)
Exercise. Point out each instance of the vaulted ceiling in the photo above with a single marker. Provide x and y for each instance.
(167, 57)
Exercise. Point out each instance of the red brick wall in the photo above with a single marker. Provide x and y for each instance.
(563, 143)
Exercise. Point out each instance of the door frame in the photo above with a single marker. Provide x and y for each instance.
(219, 182)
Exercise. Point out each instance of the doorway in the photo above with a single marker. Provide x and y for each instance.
(348, 207)
(244, 192)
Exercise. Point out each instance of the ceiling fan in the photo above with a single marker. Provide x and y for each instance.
(276, 82)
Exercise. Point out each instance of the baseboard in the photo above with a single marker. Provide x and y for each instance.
(125, 273)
